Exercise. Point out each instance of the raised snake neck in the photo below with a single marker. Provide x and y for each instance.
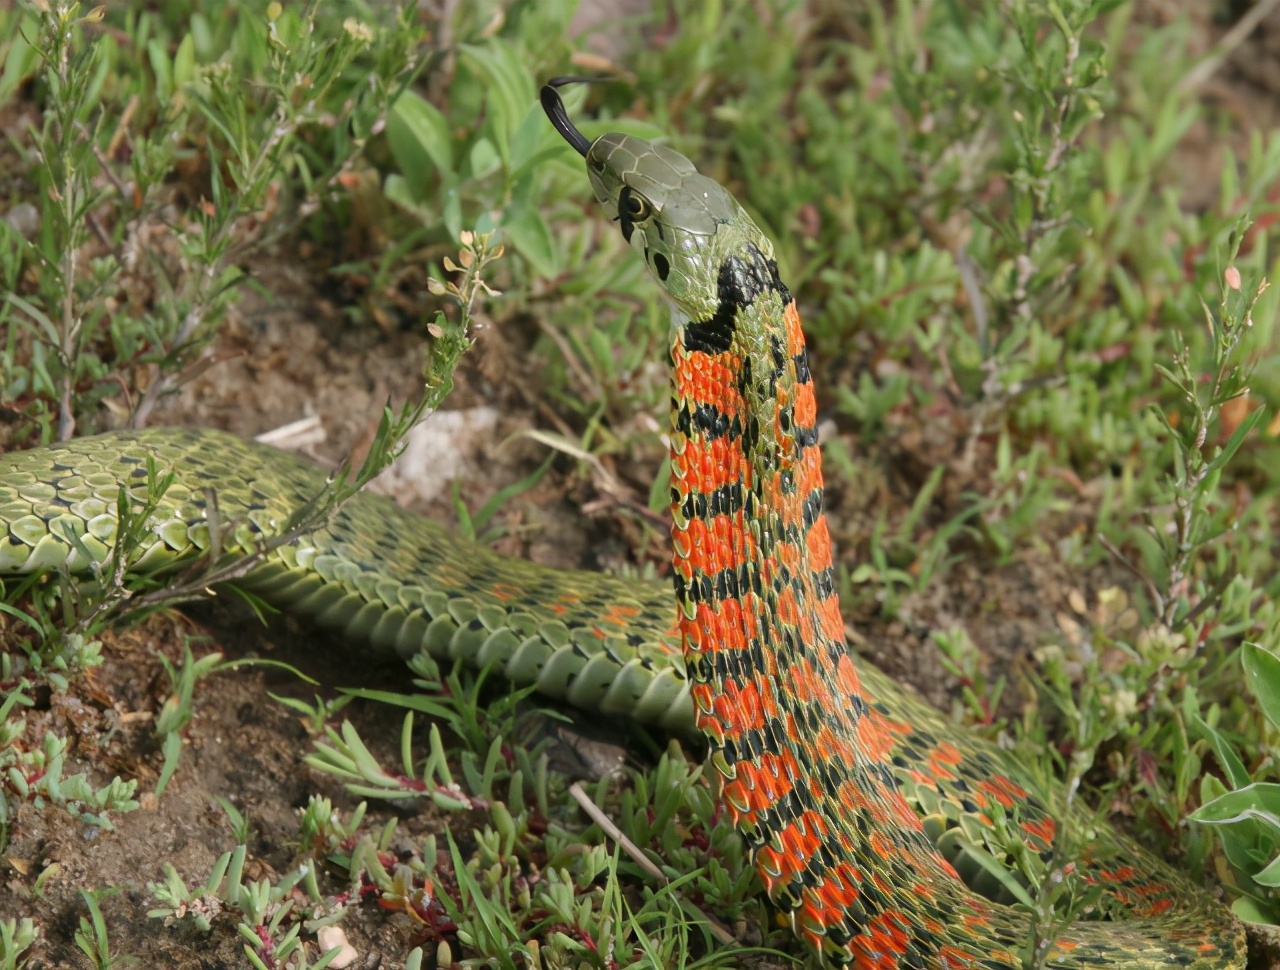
(806, 751)
(828, 765)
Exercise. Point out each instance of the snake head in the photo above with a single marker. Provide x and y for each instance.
(684, 225)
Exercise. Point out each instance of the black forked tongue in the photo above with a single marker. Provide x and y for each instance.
(554, 108)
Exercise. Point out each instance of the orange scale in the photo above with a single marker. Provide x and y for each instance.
(1002, 790)
(788, 607)
(704, 696)
(808, 470)
(829, 747)
(947, 869)
(948, 753)
(739, 615)
(729, 637)
(818, 541)
(874, 736)
(847, 875)
(882, 846)
(744, 708)
(956, 959)
(807, 684)
(704, 549)
(855, 798)
(829, 620)
(906, 815)
(800, 839)
(976, 920)
(847, 680)
(940, 769)
(790, 512)
(1041, 832)
(621, 615)
(892, 926)
(789, 554)
(771, 865)
(806, 629)
(762, 787)
(819, 555)
(1160, 907)
(805, 406)
(931, 925)
(795, 330)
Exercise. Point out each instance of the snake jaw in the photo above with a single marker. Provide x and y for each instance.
(684, 225)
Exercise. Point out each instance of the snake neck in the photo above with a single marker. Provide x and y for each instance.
(755, 577)
(792, 728)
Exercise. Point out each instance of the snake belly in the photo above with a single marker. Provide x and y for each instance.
(376, 573)
(842, 781)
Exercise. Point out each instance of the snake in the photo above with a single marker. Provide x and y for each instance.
(857, 798)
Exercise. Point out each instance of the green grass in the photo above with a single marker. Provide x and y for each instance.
(981, 213)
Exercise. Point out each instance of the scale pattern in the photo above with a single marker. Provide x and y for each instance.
(834, 772)
(811, 750)
(399, 582)
(806, 744)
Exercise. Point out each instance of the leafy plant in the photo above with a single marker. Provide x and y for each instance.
(91, 937)
(253, 95)
(16, 936)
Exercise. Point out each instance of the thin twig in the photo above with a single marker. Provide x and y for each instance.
(973, 290)
(1156, 599)
(612, 831)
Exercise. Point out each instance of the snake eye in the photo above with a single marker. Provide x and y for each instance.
(633, 207)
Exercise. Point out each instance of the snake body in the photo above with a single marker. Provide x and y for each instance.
(844, 783)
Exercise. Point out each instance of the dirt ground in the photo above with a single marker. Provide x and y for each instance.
(293, 357)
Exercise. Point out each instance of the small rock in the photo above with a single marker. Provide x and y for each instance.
(23, 218)
(332, 936)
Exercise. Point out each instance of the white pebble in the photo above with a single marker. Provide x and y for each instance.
(331, 936)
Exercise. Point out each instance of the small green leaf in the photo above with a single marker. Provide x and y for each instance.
(1231, 764)
(1262, 674)
(1259, 801)
(1250, 911)
(509, 89)
(418, 133)
(1270, 875)
(528, 136)
(161, 68)
(531, 237)
(184, 62)
(20, 61)
(404, 193)
(484, 158)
